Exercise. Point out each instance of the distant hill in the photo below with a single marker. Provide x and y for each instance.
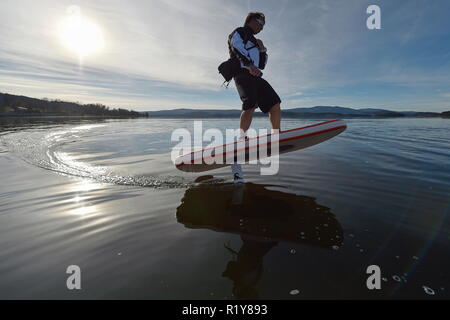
(320, 112)
(13, 105)
(193, 113)
(336, 109)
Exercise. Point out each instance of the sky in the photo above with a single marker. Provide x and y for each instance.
(162, 54)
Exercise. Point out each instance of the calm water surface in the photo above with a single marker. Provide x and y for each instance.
(104, 195)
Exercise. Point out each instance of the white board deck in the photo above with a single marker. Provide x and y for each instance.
(289, 140)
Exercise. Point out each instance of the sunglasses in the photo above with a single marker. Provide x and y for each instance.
(260, 21)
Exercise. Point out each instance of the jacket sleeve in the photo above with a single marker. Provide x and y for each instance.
(262, 60)
(239, 48)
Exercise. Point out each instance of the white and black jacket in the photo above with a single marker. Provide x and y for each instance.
(243, 44)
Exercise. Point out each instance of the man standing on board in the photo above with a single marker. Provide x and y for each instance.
(253, 90)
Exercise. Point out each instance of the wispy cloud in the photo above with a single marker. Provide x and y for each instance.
(294, 94)
(164, 53)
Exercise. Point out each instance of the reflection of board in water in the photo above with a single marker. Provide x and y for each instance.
(252, 209)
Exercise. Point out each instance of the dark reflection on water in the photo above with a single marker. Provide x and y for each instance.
(262, 217)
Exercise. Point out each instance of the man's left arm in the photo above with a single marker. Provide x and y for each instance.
(262, 55)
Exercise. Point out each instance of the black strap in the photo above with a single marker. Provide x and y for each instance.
(227, 82)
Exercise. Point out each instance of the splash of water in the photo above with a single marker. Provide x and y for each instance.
(43, 149)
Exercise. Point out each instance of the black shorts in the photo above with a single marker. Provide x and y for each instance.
(255, 91)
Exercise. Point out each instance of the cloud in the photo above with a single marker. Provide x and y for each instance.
(295, 94)
(166, 52)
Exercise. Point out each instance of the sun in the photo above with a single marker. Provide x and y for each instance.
(79, 34)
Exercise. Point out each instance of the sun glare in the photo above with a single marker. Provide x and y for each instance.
(79, 34)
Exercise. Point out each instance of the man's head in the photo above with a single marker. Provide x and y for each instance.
(256, 21)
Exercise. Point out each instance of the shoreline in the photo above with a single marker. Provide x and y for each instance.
(258, 115)
(69, 116)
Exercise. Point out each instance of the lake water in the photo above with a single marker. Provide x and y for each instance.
(105, 196)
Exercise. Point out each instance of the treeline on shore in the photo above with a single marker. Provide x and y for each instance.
(13, 105)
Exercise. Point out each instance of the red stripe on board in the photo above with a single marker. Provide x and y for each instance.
(280, 141)
(313, 125)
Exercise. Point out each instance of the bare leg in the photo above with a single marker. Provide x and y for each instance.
(275, 116)
(246, 119)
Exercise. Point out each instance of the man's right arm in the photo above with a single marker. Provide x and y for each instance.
(237, 43)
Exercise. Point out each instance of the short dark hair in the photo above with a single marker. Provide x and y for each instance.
(253, 15)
